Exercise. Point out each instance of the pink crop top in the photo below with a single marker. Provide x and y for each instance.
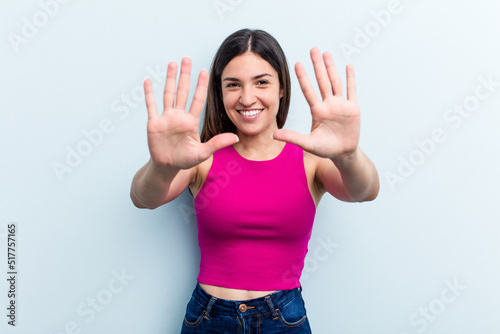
(255, 220)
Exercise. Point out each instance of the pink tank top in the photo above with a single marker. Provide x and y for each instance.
(255, 220)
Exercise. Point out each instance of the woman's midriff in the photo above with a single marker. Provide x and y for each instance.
(233, 294)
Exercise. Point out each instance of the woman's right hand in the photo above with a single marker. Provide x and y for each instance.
(173, 137)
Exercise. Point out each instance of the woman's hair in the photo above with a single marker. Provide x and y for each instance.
(260, 43)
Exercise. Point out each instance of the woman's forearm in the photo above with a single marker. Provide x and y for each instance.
(151, 186)
(359, 176)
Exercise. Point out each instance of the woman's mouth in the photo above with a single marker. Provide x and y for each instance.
(250, 112)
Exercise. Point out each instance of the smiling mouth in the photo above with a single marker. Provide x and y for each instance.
(251, 112)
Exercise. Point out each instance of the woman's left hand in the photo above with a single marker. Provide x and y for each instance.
(335, 119)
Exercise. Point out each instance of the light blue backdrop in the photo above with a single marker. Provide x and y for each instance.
(424, 257)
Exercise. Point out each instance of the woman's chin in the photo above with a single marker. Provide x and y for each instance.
(252, 131)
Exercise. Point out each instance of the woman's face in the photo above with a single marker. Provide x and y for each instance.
(251, 94)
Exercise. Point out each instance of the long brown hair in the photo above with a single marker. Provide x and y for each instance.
(245, 40)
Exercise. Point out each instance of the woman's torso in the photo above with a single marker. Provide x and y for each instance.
(233, 294)
(310, 165)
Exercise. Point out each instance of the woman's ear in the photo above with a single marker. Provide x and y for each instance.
(281, 93)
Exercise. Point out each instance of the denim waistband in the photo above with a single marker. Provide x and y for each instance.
(243, 308)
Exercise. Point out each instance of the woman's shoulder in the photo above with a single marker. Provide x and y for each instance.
(200, 175)
(311, 158)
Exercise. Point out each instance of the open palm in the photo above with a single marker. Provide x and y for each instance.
(173, 137)
(335, 119)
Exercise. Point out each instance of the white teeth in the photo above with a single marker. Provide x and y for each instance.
(250, 112)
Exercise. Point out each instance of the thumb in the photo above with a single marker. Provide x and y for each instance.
(220, 141)
(293, 137)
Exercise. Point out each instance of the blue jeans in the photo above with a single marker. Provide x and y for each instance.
(280, 312)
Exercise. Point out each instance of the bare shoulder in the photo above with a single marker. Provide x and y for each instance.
(311, 165)
(322, 174)
(200, 175)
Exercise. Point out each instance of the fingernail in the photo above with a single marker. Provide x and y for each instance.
(237, 138)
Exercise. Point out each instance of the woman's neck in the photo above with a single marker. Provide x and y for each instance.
(259, 147)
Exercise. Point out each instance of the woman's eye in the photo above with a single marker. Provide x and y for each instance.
(262, 82)
(231, 85)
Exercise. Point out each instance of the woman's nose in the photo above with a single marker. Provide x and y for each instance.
(247, 97)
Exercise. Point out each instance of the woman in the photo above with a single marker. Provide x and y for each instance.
(256, 185)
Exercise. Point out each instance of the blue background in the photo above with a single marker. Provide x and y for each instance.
(380, 267)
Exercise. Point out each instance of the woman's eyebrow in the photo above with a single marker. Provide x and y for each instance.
(261, 76)
(254, 78)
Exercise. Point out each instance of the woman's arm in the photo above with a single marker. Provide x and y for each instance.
(343, 169)
(173, 140)
(154, 186)
(352, 178)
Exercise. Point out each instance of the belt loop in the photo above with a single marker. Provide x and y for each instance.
(300, 288)
(209, 308)
(271, 306)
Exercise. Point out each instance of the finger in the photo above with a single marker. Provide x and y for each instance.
(351, 83)
(325, 87)
(217, 142)
(293, 137)
(305, 85)
(333, 74)
(184, 81)
(169, 92)
(150, 99)
(200, 94)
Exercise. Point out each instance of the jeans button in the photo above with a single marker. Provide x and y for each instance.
(243, 308)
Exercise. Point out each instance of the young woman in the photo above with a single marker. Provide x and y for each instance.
(256, 186)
